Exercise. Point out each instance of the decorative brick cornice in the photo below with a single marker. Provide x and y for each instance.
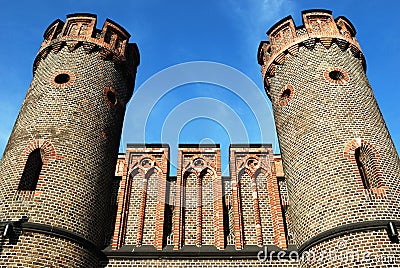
(319, 26)
(80, 30)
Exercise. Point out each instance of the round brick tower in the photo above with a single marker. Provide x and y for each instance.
(56, 170)
(341, 166)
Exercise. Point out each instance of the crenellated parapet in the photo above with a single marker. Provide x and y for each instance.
(112, 41)
(318, 26)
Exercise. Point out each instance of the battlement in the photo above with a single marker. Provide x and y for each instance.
(112, 40)
(318, 26)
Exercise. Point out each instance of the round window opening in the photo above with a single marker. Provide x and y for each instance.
(146, 163)
(62, 78)
(336, 75)
(112, 98)
(252, 163)
(285, 96)
(198, 162)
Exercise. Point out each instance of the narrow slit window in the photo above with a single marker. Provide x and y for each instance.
(361, 169)
(31, 173)
(168, 238)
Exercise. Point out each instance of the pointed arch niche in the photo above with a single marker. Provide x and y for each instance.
(256, 203)
(141, 200)
(198, 218)
(365, 160)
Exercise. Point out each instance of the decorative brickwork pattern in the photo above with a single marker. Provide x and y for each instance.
(64, 115)
(333, 113)
(197, 220)
(67, 193)
(368, 167)
(255, 193)
(198, 213)
(336, 76)
(62, 79)
(142, 197)
(286, 95)
(47, 154)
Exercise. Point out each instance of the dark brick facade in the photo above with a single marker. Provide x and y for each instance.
(340, 163)
(66, 118)
(330, 200)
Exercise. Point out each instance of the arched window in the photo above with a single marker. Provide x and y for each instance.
(368, 167)
(31, 173)
(365, 159)
(361, 168)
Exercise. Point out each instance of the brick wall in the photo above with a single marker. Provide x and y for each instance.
(68, 116)
(202, 210)
(257, 204)
(39, 250)
(359, 249)
(142, 197)
(58, 173)
(324, 110)
(198, 213)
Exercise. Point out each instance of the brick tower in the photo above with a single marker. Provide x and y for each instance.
(56, 170)
(341, 166)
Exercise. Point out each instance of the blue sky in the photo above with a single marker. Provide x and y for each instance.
(176, 100)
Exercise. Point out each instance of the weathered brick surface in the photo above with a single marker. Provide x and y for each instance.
(77, 131)
(38, 250)
(327, 117)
